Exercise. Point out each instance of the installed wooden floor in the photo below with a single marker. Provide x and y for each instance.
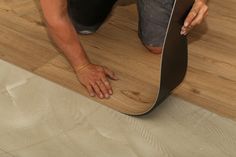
(211, 78)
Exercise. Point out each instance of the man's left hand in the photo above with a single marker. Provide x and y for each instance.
(195, 17)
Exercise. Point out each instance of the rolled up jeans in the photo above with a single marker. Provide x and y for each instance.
(153, 17)
(89, 14)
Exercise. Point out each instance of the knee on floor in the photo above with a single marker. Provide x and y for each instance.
(153, 49)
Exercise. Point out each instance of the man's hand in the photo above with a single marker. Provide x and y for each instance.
(195, 17)
(94, 78)
(60, 27)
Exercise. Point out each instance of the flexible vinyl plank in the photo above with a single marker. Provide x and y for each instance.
(210, 81)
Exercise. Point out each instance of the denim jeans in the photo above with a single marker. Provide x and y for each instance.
(153, 17)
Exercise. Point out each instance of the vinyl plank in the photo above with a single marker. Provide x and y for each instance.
(210, 81)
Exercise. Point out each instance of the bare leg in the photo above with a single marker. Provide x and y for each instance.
(155, 50)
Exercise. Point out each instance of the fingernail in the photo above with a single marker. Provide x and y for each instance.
(101, 96)
(92, 94)
(186, 24)
(110, 91)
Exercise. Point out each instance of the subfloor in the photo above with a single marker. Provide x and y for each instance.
(42, 119)
(211, 78)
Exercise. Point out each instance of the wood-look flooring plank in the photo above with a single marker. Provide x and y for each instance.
(210, 81)
(23, 43)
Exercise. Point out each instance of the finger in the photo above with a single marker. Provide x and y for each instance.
(97, 90)
(183, 30)
(110, 73)
(107, 84)
(103, 88)
(192, 14)
(199, 18)
(206, 15)
(90, 90)
(187, 30)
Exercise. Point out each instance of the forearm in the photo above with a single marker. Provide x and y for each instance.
(66, 38)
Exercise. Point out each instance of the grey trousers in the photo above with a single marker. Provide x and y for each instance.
(153, 17)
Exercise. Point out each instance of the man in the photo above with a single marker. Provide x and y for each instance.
(65, 18)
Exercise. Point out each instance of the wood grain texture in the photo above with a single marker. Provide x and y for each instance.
(211, 78)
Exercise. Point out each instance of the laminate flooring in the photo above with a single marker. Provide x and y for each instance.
(211, 77)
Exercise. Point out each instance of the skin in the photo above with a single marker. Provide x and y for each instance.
(196, 16)
(96, 78)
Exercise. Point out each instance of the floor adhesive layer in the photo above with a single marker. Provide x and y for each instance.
(211, 78)
(40, 118)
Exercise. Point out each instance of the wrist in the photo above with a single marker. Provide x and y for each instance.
(79, 62)
(77, 57)
(80, 68)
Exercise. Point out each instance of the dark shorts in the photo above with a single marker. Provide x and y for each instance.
(153, 17)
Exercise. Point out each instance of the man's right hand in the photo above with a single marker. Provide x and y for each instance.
(96, 79)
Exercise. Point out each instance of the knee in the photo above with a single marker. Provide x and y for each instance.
(85, 30)
(153, 49)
